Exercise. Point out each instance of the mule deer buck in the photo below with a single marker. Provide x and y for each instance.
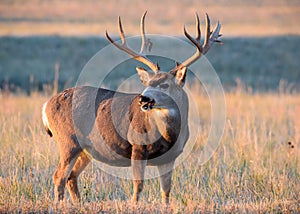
(150, 128)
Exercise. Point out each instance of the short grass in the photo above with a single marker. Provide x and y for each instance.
(255, 169)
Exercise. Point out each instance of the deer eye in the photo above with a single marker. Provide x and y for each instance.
(164, 86)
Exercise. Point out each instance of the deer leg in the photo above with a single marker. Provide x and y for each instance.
(138, 164)
(63, 171)
(82, 161)
(165, 172)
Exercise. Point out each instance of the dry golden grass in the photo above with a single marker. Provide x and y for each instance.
(238, 18)
(255, 169)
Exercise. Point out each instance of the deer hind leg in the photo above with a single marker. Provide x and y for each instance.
(63, 171)
(82, 161)
(165, 172)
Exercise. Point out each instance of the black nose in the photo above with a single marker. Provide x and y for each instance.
(146, 102)
(144, 99)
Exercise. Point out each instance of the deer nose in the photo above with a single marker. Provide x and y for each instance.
(146, 102)
(145, 99)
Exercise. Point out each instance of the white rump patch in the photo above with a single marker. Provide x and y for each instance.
(44, 116)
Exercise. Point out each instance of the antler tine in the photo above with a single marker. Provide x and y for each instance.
(198, 37)
(146, 43)
(122, 35)
(201, 49)
(207, 33)
(195, 41)
(213, 37)
(125, 48)
(142, 26)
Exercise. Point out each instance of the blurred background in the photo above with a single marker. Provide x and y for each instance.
(93, 17)
(42, 41)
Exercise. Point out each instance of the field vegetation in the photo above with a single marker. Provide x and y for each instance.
(255, 168)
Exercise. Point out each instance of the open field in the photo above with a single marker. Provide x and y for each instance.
(255, 168)
(92, 17)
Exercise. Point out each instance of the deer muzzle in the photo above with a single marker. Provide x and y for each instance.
(146, 103)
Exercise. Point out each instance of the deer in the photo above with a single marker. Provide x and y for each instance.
(146, 129)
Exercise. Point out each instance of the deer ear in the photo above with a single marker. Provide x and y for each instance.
(144, 75)
(180, 76)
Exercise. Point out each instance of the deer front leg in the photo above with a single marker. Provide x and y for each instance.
(138, 164)
(165, 172)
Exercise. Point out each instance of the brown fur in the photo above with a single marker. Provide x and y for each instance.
(108, 133)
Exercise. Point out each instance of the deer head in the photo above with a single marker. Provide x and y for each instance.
(162, 88)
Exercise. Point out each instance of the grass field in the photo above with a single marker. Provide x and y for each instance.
(255, 168)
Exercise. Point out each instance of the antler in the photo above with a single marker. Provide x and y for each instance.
(202, 49)
(145, 44)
